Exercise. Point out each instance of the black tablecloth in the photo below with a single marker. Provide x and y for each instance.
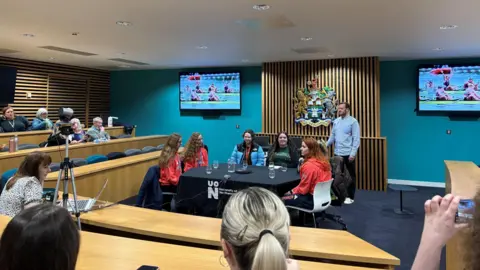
(207, 193)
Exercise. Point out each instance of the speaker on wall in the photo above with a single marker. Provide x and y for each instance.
(8, 78)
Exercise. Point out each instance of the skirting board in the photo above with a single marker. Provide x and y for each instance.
(416, 183)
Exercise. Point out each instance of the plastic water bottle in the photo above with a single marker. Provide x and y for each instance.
(271, 172)
(16, 143)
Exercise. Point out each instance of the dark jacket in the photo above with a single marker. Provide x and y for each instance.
(293, 157)
(341, 178)
(20, 124)
(150, 194)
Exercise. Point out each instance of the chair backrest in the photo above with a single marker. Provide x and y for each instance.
(297, 141)
(27, 146)
(133, 152)
(321, 196)
(116, 155)
(262, 140)
(55, 167)
(96, 159)
(7, 175)
(78, 162)
(160, 146)
(123, 136)
(148, 149)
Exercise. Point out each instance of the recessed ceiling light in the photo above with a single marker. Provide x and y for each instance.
(331, 55)
(52, 58)
(201, 47)
(448, 27)
(245, 60)
(306, 38)
(28, 35)
(124, 23)
(437, 49)
(124, 66)
(261, 7)
(75, 33)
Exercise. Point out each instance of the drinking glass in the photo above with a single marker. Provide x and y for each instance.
(208, 169)
(231, 166)
(271, 173)
(245, 165)
(283, 167)
(215, 164)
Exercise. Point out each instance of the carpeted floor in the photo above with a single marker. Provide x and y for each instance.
(371, 218)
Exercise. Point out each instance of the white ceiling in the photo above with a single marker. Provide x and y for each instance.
(165, 33)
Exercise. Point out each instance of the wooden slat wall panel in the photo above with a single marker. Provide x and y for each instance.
(85, 90)
(356, 81)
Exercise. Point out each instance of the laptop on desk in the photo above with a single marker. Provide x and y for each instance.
(86, 205)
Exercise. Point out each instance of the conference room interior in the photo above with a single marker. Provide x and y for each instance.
(126, 61)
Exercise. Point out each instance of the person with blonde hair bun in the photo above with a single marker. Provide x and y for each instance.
(255, 231)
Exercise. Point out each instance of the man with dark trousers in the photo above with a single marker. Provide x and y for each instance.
(346, 139)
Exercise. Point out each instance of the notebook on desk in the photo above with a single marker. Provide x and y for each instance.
(86, 205)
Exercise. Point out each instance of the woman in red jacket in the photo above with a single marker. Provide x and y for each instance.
(195, 154)
(170, 164)
(315, 169)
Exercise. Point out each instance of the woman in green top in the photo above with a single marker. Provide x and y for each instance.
(283, 151)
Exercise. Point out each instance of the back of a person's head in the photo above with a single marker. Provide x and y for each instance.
(256, 226)
(40, 238)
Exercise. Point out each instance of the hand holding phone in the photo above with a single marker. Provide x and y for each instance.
(465, 212)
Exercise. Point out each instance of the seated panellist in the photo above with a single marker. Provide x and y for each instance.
(283, 152)
(248, 151)
(195, 155)
(97, 131)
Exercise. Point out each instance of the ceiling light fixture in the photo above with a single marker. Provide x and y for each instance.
(124, 23)
(306, 38)
(124, 66)
(261, 7)
(438, 49)
(201, 47)
(245, 60)
(28, 35)
(331, 55)
(448, 27)
(75, 33)
(52, 58)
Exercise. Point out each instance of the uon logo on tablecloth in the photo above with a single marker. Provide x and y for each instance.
(213, 190)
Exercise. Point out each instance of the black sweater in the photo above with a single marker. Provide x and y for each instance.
(20, 123)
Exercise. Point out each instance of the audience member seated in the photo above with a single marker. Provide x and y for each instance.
(439, 226)
(255, 231)
(316, 168)
(248, 150)
(25, 188)
(41, 122)
(97, 131)
(283, 151)
(9, 122)
(195, 155)
(170, 164)
(78, 135)
(43, 237)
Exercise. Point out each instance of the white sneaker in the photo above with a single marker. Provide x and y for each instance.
(348, 201)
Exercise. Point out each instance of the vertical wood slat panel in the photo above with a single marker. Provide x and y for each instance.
(87, 90)
(356, 81)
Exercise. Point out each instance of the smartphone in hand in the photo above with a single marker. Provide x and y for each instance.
(465, 212)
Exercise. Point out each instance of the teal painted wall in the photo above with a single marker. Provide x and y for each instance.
(149, 99)
(418, 145)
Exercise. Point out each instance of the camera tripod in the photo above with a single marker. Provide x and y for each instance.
(66, 167)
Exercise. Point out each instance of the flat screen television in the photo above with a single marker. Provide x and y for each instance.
(210, 91)
(448, 88)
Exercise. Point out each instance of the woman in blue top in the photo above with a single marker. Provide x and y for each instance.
(41, 122)
(248, 150)
(78, 135)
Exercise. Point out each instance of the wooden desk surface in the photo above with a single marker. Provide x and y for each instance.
(39, 136)
(125, 176)
(305, 242)
(12, 160)
(99, 251)
(462, 179)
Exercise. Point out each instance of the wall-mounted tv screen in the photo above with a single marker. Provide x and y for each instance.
(449, 88)
(210, 91)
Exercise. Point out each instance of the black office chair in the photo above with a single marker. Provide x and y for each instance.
(264, 142)
(133, 152)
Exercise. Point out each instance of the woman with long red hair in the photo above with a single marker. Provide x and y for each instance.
(170, 164)
(195, 153)
(316, 168)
